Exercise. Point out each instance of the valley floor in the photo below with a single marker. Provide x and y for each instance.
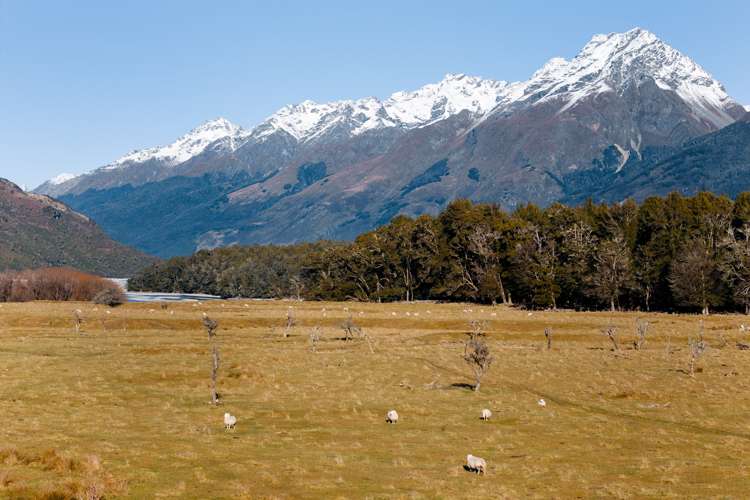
(121, 409)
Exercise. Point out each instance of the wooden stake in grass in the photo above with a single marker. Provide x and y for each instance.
(611, 333)
(548, 336)
(641, 329)
(477, 354)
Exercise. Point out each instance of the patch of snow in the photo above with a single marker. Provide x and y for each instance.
(56, 181)
(624, 154)
(189, 145)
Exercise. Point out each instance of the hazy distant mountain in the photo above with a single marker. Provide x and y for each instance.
(37, 231)
(333, 170)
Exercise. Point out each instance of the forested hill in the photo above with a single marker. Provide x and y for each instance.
(673, 252)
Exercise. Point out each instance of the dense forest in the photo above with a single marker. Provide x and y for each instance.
(668, 253)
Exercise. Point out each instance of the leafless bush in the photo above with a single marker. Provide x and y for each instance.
(314, 338)
(211, 325)
(214, 373)
(350, 329)
(111, 297)
(697, 347)
(477, 329)
(641, 329)
(290, 322)
(611, 333)
(77, 320)
(548, 337)
(477, 355)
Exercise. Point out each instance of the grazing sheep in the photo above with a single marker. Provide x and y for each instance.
(542, 403)
(486, 414)
(476, 464)
(229, 421)
(391, 417)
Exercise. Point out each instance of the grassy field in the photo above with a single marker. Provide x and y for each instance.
(121, 409)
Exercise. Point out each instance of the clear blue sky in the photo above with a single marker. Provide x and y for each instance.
(84, 82)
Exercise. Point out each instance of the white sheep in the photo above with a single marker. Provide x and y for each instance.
(486, 414)
(542, 403)
(229, 421)
(476, 464)
(391, 417)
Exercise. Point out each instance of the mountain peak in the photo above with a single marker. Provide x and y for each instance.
(187, 146)
(609, 63)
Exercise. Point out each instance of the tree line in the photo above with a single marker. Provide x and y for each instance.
(668, 253)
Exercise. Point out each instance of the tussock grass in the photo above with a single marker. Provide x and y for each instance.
(121, 409)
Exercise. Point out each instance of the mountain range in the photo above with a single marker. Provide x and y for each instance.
(628, 116)
(37, 231)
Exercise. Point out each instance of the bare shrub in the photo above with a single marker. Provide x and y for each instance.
(58, 284)
(214, 374)
(211, 325)
(697, 347)
(314, 338)
(611, 333)
(77, 320)
(111, 297)
(477, 355)
(641, 329)
(477, 329)
(350, 329)
(290, 322)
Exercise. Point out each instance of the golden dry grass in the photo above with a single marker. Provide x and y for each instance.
(122, 410)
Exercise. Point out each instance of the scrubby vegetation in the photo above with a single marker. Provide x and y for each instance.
(60, 284)
(111, 297)
(672, 253)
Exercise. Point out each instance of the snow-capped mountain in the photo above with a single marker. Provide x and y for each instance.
(308, 120)
(609, 63)
(189, 145)
(330, 170)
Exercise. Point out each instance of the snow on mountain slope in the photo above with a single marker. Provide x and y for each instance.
(65, 177)
(455, 93)
(610, 62)
(436, 101)
(187, 146)
(309, 119)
